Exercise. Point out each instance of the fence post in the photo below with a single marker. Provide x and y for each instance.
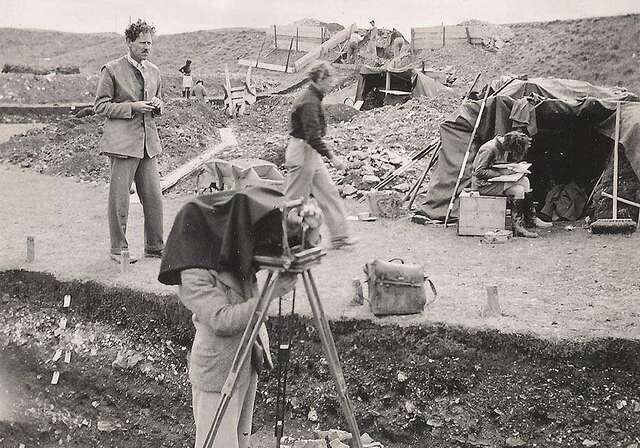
(444, 33)
(413, 38)
(297, 39)
(275, 36)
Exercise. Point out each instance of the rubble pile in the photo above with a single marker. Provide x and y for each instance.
(70, 146)
(377, 142)
(36, 89)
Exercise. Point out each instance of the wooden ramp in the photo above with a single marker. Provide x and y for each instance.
(227, 139)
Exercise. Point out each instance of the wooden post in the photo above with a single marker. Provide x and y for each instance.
(387, 84)
(124, 260)
(358, 295)
(297, 39)
(492, 307)
(275, 36)
(31, 249)
(286, 67)
(444, 34)
(413, 38)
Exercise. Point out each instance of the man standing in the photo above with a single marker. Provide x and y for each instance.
(373, 39)
(128, 95)
(352, 47)
(307, 174)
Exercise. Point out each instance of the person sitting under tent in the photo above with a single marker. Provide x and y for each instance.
(508, 148)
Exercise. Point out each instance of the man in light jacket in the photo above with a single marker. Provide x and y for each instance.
(128, 95)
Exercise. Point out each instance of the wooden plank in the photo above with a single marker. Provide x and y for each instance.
(314, 32)
(328, 45)
(227, 139)
(358, 104)
(263, 65)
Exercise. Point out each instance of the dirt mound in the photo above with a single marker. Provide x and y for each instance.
(37, 89)
(70, 146)
(378, 141)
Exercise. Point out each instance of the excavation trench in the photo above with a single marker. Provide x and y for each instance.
(431, 386)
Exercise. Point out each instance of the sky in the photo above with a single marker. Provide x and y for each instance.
(176, 16)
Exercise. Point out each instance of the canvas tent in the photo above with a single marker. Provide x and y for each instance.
(394, 85)
(572, 124)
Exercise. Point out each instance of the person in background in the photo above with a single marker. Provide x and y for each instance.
(373, 39)
(352, 47)
(397, 42)
(198, 91)
(508, 148)
(307, 174)
(129, 95)
(187, 81)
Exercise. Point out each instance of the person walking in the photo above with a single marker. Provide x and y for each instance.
(307, 174)
(187, 81)
(129, 96)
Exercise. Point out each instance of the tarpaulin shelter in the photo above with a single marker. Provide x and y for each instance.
(395, 84)
(572, 124)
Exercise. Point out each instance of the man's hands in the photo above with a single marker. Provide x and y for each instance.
(142, 107)
(145, 107)
(285, 283)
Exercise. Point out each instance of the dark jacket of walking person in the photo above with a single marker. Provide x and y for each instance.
(129, 95)
(307, 175)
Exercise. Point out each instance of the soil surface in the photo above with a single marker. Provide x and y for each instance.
(126, 383)
(566, 284)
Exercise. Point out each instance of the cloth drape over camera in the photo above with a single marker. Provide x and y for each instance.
(222, 231)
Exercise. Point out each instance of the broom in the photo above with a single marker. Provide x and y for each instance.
(614, 225)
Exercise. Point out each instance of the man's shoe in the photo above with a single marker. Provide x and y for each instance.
(117, 258)
(343, 243)
(153, 253)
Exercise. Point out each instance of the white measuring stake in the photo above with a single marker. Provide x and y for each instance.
(56, 355)
(67, 357)
(67, 301)
(55, 377)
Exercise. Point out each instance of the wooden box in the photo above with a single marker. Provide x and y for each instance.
(481, 214)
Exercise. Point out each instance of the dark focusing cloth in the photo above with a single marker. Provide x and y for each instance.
(222, 231)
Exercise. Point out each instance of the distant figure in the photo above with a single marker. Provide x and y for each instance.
(187, 81)
(352, 47)
(129, 95)
(397, 42)
(198, 91)
(373, 39)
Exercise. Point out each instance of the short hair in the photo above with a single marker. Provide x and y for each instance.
(137, 28)
(200, 81)
(319, 71)
(516, 142)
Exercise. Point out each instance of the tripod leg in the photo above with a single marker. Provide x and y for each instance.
(244, 350)
(329, 346)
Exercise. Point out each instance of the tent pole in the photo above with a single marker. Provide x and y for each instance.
(466, 156)
(475, 81)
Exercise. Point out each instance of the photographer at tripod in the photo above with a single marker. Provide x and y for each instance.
(214, 267)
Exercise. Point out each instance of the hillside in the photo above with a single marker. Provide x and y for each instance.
(209, 50)
(600, 50)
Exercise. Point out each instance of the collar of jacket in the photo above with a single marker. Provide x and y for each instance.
(139, 65)
(313, 87)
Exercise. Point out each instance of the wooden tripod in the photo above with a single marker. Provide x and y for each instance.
(299, 263)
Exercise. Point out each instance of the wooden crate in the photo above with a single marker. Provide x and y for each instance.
(481, 214)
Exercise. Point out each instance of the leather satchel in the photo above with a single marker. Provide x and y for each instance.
(396, 288)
